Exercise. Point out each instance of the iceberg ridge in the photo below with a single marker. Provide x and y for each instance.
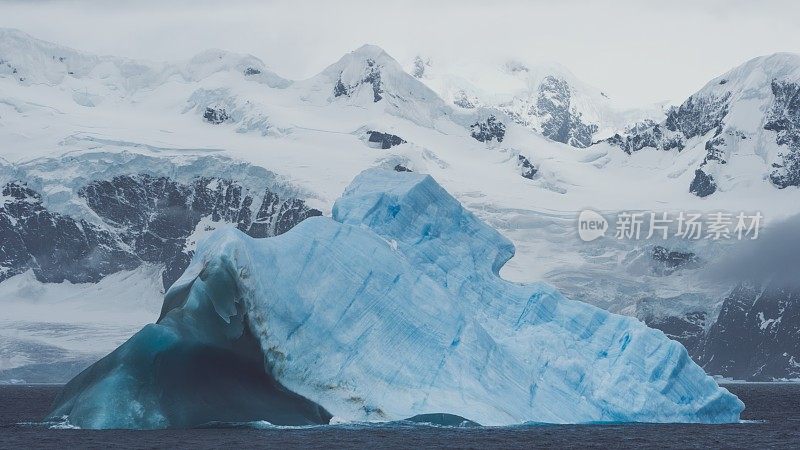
(391, 309)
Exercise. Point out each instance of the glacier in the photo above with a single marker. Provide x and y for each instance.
(391, 308)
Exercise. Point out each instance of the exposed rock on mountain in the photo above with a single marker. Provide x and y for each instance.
(546, 99)
(156, 216)
(371, 76)
(784, 119)
(703, 184)
(384, 140)
(647, 134)
(145, 218)
(528, 170)
(222, 106)
(695, 117)
(488, 130)
(698, 115)
(747, 115)
(668, 261)
(557, 118)
(757, 334)
(54, 246)
(215, 115)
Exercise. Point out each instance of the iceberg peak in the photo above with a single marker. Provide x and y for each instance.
(415, 211)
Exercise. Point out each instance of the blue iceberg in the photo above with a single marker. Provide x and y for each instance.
(391, 309)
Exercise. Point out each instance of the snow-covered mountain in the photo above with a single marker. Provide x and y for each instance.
(113, 224)
(739, 129)
(546, 98)
(739, 133)
(129, 163)
(117, 221)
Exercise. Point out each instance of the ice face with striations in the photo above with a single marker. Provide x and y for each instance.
(393, 308)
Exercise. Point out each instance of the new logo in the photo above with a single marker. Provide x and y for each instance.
(591, 225)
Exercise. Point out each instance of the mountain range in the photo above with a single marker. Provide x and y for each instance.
(112, 170)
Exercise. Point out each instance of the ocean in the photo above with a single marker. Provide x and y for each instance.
(771, 419)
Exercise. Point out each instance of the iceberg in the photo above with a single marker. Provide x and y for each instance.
(391, 309)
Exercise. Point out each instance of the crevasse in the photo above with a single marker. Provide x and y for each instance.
(390, 309)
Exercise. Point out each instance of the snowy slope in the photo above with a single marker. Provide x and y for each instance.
(314, 136)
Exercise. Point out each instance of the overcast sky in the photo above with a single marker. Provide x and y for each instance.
(639, 51)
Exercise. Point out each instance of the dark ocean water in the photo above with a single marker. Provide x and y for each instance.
(771, 420)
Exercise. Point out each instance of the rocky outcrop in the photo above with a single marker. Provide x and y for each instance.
(562, 123)
(668, 261)
(757, 334)
(156, 215)
(784, 119)
(552, 114)
(215, 115)
(147, 219)
(489, 130)
(220, 105)
(647, 134)
(696, 117)
(384, 140)
(527, 169)
(56, 247)
(372, 77)
(703, 184)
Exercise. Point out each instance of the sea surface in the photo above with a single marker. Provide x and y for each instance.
(771, 420)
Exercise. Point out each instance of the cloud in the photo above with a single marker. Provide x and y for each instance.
(774, 256)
